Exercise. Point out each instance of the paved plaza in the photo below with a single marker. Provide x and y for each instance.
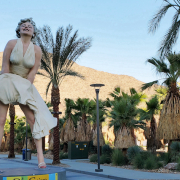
(85, 171)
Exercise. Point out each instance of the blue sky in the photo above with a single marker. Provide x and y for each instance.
(119, 29)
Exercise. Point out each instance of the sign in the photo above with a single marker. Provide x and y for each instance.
(35, 177)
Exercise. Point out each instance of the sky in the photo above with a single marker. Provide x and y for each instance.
(121, 43)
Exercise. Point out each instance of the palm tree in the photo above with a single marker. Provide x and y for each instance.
(133, 96)
(124, 114)
(171, 36)
(169, 127)
(124, 119)
(93, 118)
(83, 109)
(12, 117)
(57, 58)
(153, 108)
(68, 129)
(161, 94)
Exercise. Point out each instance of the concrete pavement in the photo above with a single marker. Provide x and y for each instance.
(86, 170)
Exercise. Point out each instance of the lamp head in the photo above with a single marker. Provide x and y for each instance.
(97, 86)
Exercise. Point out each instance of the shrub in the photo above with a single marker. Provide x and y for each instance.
(175, 151)
(63, 155)
(145, 155)
(159, 164)
(165, 157)
(105, 159)
(150, 163)
(178, 164)
(132, 152)
(118, 159)
(106, 149)
(94, 158)
(34, 151)
(138, 162)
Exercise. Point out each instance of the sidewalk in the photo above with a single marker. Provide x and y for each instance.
(89, 169)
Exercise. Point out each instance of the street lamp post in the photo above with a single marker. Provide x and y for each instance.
(97, 87)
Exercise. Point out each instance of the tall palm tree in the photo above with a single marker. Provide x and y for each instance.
(171, 36)
(153, 108)
(169, 126)
(58, 56)
(12, 117)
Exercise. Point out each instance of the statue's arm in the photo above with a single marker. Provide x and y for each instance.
(6, 57)
(34, 69)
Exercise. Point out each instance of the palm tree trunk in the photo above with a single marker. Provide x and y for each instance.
(12, 116)
(153, 134)
(55, 100)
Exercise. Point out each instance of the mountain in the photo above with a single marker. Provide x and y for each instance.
(74, 87)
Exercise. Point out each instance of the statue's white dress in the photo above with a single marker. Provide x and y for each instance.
(15, 88)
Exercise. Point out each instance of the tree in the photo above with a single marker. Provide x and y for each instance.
(169, 127)
(83, 109)
(12, 116)
(124, 115)
(133, 96)
(93, 118)
(124, 120)
(57, 58)
(153, 108)
(67, 130)
(171, 36)
(161, 94)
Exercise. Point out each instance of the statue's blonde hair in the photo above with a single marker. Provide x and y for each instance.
(23, 21)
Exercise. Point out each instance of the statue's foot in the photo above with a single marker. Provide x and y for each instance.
(42, 165)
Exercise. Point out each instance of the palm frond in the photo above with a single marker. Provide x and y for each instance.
(58, 56)
(148, 85)
(42, 74)
(47, 88)
(133, 91)
(155, 21)
(170, 37)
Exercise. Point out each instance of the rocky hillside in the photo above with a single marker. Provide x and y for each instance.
(73, 87)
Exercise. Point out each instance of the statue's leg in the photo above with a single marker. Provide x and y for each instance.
(31, 120)
(3, 113)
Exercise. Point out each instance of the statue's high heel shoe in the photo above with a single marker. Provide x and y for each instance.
(42, 165)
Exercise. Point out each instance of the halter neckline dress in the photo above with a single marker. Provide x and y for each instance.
(16, 89)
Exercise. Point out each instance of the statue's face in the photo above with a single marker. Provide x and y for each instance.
(27, 29)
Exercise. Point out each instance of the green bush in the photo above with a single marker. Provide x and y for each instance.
(145, 155)
(178, 164)
(159, 164)
(106, 149)
(105, 159)
(175, 151)
(94, 158)
(34, 151)
(132, 152)
(150, 163)
(118, 159)
(165, 157)
(63, 155)
(138, 162)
